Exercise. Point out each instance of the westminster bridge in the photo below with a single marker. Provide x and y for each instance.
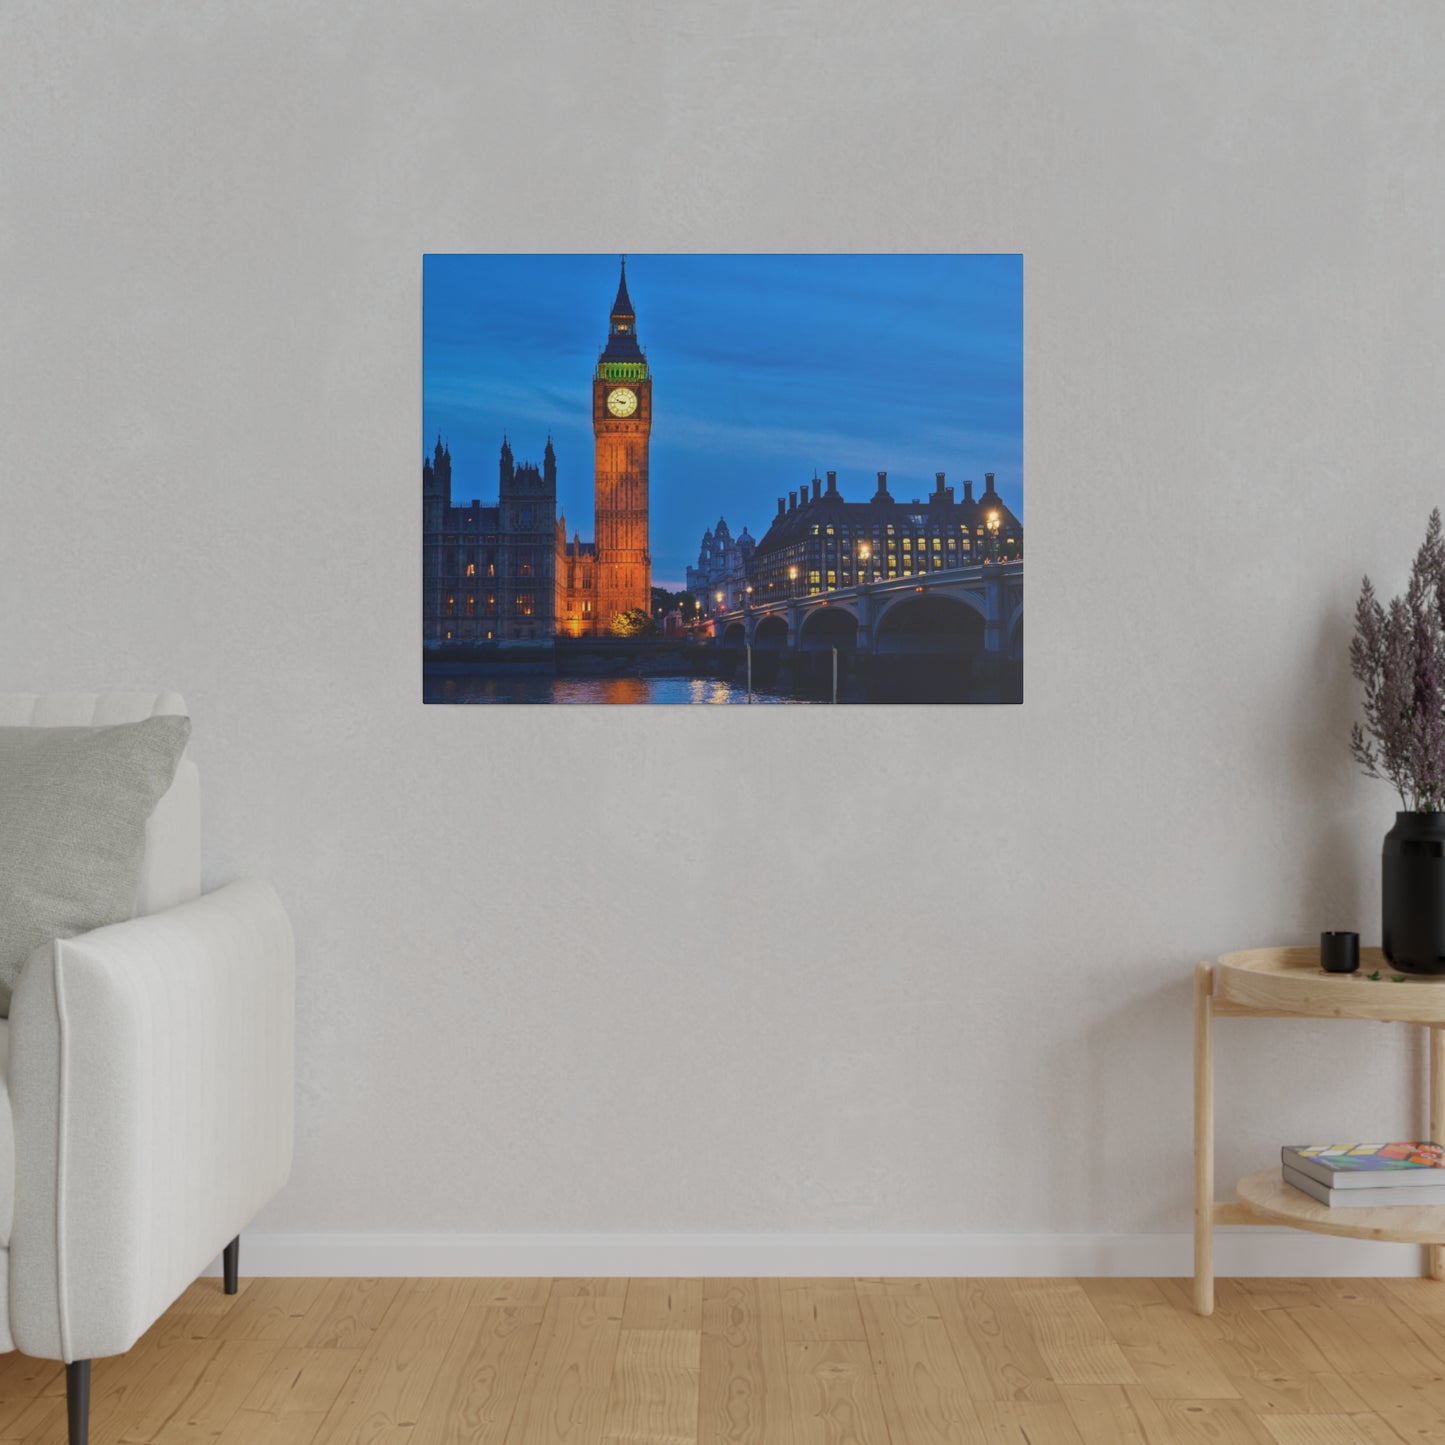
(975, 609)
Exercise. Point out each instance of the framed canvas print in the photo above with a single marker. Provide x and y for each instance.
(722, 479)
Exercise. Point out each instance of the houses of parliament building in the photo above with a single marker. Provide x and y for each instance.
(507, 572)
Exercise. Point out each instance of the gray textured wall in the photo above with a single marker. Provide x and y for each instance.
(654, 969)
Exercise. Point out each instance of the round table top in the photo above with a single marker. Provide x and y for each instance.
(1291, 981)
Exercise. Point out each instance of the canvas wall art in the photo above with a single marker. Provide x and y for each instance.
(683, 479)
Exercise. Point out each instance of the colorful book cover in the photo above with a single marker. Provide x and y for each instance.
(1366, 1158)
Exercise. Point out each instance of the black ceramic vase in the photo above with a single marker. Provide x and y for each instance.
(1414, 893)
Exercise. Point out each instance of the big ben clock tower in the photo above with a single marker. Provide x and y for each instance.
(621, 426)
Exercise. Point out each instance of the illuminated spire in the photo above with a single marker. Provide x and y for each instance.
(622, 328)
(622, 307)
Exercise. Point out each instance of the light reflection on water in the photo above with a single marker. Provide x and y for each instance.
(481, 689)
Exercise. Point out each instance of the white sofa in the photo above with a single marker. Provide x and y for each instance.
(148, 1071)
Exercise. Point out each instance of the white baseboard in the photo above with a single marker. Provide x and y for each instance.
(1241, 1252)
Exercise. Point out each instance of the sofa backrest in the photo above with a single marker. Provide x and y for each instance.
(171, 872)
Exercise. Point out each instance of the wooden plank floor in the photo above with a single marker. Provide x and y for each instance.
(765, 1362)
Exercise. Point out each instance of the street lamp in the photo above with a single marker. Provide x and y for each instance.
(992, 524)
(792, 580)
(864, 553)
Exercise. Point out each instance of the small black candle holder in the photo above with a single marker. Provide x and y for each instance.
(1340, 952)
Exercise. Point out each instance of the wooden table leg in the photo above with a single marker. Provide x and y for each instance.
(1204, 1138)
(1435, 1253)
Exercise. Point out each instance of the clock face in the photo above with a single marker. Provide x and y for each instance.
(621, 401)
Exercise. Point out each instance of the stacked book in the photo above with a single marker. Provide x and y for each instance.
(1367, 1176)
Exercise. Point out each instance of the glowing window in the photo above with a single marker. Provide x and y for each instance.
(471, 569)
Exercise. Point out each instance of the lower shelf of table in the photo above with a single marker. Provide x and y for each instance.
(1272, 1201)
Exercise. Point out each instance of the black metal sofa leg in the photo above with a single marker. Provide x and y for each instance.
(77, 1401)
(77, 1374)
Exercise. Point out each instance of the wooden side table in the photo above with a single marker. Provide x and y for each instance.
(1289, 983)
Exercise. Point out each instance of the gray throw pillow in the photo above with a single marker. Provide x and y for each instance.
(73, 809)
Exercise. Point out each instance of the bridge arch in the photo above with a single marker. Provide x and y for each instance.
(904, 599)
(771, 632)
(931, 622)
(733, 635)
(827, 627)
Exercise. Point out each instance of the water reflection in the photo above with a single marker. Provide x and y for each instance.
(481, 689)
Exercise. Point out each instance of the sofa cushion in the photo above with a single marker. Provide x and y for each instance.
(73, 809)
(171, 873)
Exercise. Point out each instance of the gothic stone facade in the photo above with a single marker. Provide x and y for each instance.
(489, 572)
(508, 573)
(723, 564)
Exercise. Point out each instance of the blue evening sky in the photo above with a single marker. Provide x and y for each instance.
(765, 370)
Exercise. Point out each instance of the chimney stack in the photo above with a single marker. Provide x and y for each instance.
(988, 484)
(968, 491)
(782, 505)
(792, 501)
(817, 488)
(938, 480)
(832, 484)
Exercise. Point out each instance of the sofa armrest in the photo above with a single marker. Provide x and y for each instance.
(151, 1081)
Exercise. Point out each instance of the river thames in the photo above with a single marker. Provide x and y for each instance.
(705, 690)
